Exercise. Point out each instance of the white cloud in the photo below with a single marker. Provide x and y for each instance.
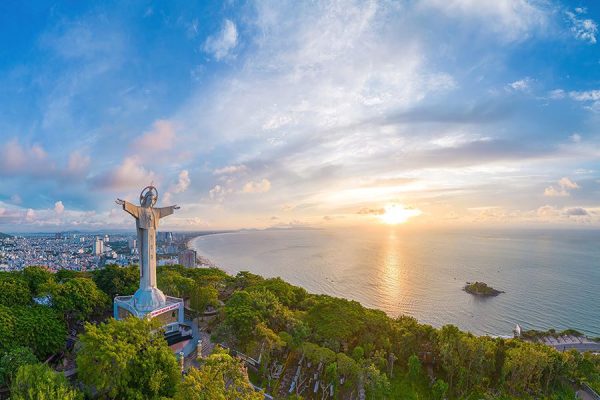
(547, 211)
(513, 19)
(78, 163)
(16, 159)
(128, 175)
(575, 138)
(59, 208)
(551, 191)
(557, 94)
(183, 182)
(161, 137)
(588, 95)
(30, 215)
(522, 85)
(222, 44)
(565, 185)
(262, 186)
(230, 170)
(218, 192)
(584, 29)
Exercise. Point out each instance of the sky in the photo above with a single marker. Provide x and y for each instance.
(282, 114)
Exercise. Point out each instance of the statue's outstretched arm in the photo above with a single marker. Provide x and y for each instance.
(164, 211)
(130, 208)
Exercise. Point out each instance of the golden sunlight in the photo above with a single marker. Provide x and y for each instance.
(398, 214)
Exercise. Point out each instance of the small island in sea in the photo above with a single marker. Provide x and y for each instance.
(481, 289)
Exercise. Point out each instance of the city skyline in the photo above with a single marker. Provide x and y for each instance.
(253, 115)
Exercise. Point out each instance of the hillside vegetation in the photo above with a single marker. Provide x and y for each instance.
(309, 346)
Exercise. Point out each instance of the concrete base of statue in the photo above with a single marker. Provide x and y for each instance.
(149, 299)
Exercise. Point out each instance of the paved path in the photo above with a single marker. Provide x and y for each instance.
(585, 395)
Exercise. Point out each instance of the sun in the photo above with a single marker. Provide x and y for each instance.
(395, 214)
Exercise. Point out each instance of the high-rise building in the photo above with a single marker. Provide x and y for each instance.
(187, 258)
(98, 247)
(106, 239)
(132, 243)
(164, 237)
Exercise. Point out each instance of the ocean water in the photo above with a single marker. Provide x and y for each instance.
(551, 279)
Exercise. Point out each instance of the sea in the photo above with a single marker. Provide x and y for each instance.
(550, 278)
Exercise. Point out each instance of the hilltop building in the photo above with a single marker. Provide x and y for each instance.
(187, 258)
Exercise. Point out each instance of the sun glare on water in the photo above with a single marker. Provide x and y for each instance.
(398, 214)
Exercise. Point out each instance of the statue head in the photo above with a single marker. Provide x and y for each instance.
(149, 196)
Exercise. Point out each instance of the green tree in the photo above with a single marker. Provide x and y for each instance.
(377, 384)
(36, 277)
(114, 280)
(530, 368)
(415, 371)
(7, 328)
(63, 275)
(14, 290)
(40, 328)
(12, 360)
(203, 296)
(336, 321)
(439, 389)
(127, 359)
(40, 382)
(243, 313)
(174, 284)
(358, 353)
(347, 367)
(220, 377)
(77, 299)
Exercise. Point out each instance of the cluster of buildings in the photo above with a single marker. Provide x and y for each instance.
(87, 251)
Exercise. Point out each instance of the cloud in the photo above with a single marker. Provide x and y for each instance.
(222, 44)
(557, 94)
(582, 28)
(513, 19)
(161, 137)
(30, 215)
(575, 138)
(129, 174)
(522, 85)
(183, 182)
(218, 193)
(547, 212)
(78, 164)
(59, 208)
(262, 186)
(576, 212)
(371, 211)
(556, 214)
(16, 199)
(19, 160)
(565, 185)
(230, 170)
(587, 95)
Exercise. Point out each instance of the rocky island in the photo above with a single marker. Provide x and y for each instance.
(481, 289)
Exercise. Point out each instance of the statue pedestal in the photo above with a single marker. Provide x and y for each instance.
(152, 304)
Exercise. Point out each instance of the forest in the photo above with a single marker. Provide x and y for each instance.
(58, 340)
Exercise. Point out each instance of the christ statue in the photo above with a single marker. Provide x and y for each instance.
(148, 297)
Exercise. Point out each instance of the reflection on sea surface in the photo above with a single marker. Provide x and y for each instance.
(551, 278)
